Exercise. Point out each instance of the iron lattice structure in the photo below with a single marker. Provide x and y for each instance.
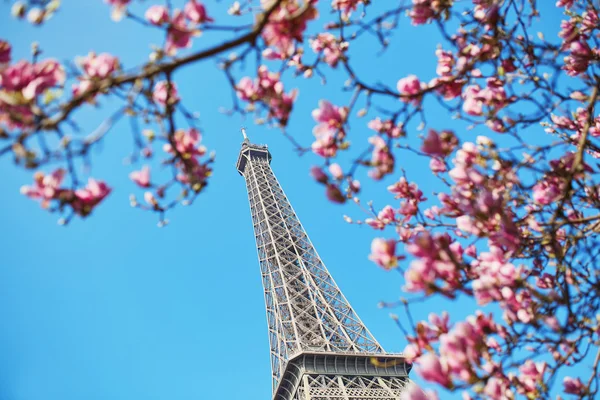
(319, 347)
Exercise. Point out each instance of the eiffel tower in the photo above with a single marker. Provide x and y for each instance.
(320, 349)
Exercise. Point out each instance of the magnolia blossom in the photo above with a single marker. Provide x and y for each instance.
(196, 12)
(383, 253)
(119, 8)
(346, 6)
(99, 66)
(332, 50)
(579, 58)
(387, 127)
(20, 84)
(142, 177)
(382, 158)
(413, 392)
(187, 143)
(90, 196)
(330, 117)
(268, 89)
(573, 385)
(439, 144)
(431, 368)
(165, 93)
(286, 25)
(410, 89)
(179, 34)
(157, 15)
(45, 187)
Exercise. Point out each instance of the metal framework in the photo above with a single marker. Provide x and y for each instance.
(320, 349)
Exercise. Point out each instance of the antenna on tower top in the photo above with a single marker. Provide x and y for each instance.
(244, 133)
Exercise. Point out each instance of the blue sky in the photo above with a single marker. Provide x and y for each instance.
(113, 307)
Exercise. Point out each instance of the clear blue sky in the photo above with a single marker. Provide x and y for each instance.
(113, 307)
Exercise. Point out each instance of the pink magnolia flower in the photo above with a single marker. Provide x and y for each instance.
(386, 216)
(99, 66)
(329, 116)
(157, 15)
(5, 49)
(414, 392)
(196, 12)
(346, 6)
(383, 253)
(325, 144)
(439, 144)
(286, 25)
(573, 386)
(318, 175)
(565, 3)
(547, 190)
(436, 165)
(119, 8)
(150, 199)
(179, 35)
(45, 187)
(332, 50)
(32, 80)
(187, 143)
(89, 197)
(387, 127)
(141, 177)
(531, 375)
(422, 12)
(579, 59)
(472, 104)
(433, 369)
(165, 92)
(410, 89)
(382, 158)
(268, 89)
(336, 171)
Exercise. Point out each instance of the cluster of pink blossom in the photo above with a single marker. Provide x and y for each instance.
(165, 93)
(465, 352)
(423, 11)
(95, 68)
(382, 159)
(492, 96)
(383, 253)
(552, 185)
(119, 8)
(185, 151)
(411, 89)
(330, 47)
(346, 6)
(577, 123)
(268, 89)
(47, 188)
(286, 25)
(387, 127)
(446, 84)
(20, 85)
(437, 261)
(186, 145)
(182, 24)
(329, 132)
(412, 196)
(575, 34)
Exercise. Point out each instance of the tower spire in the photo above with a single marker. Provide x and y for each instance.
(244, 133)
(319, 347)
